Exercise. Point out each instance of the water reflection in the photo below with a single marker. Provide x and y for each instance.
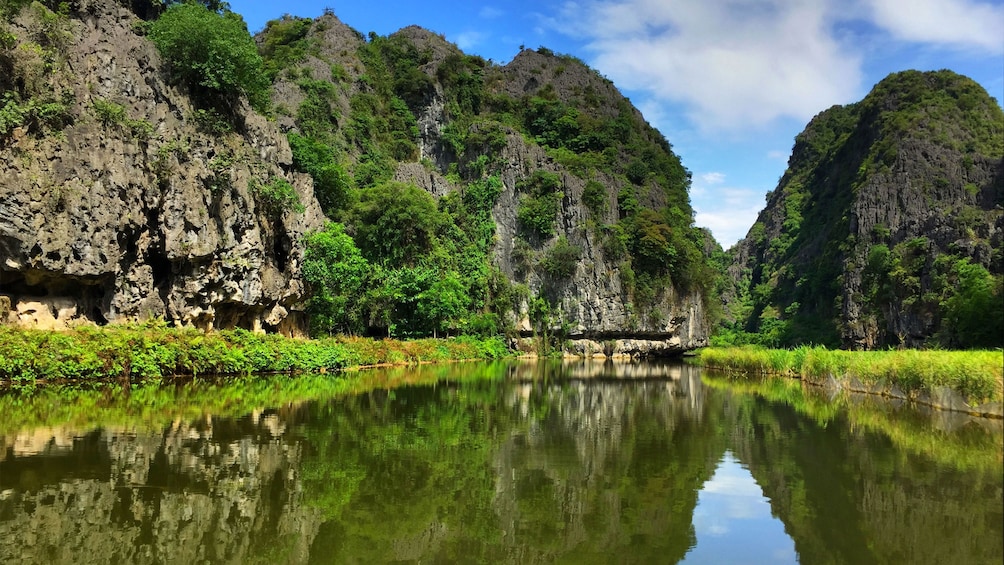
(505, 463)
(734, 523)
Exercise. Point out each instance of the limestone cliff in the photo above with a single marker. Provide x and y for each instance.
(130, 210)
(472, 122)
(132, 202)
(885, 207)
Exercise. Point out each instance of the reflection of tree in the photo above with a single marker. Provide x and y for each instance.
(494, 463)
(846, 496)
(497, 471)
(609, 469)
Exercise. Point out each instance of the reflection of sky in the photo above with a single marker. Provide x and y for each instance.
(733, 521)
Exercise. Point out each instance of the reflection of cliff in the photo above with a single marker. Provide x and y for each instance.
(605, 466)
(193, 493)
(846, 497)
(523, 464)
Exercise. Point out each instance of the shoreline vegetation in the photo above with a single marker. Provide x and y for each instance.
(967, 381)
(138, 353)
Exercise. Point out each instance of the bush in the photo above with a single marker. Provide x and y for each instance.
(213, 53)
(561, 260)
(336, 275)
(277, 196)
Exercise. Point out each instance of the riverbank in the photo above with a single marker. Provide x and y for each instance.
(966, 381)
(149, 352)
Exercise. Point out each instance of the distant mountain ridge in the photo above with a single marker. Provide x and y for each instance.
(889, 211)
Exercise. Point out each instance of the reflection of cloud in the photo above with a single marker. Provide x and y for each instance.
(731, 506)
(717, 529)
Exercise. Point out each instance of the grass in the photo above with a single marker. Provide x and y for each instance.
(976, 375)
(151, 352)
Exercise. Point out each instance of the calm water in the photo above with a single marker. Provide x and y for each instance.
(504, 463)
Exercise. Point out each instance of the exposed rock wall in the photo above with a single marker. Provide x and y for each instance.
(593, 303)
(147, 215)
(106, 222)
(917, 162)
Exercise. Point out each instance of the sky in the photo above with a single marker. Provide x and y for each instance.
(729, 83)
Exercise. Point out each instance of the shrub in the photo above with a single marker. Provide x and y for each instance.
(277, 196)
(213, 53)
(561, 259)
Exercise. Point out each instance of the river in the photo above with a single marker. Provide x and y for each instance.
(513, 462)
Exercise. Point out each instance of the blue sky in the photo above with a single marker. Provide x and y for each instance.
(728, 82)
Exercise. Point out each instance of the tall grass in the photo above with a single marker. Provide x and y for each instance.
(977, 375)
(144, 352)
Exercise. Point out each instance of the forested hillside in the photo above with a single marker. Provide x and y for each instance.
(886, 229)
(379, 185)
(471, 196)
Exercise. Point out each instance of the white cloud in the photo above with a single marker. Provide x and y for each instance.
(490, 12)
(467, 40)
(727, 211)
(734, 64)
(713, 178)
(957, 23)
(778, 155)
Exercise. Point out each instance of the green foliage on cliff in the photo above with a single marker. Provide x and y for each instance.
(823, 264)
(35, 92)
(213, 54)
(434, 255)
(413, 266)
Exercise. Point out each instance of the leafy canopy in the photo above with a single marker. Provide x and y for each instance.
(213, 53)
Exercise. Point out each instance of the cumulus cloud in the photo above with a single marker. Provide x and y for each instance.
(467, 40)
(733, 63)
(713, 178)
(957, 23)
(727, 211)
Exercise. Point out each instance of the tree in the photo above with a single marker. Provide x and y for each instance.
(974, 315)
(444, 303)
(396, 223)
(212, 53)
(336, 274)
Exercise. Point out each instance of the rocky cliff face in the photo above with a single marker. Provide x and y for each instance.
(130, 208)
(140, 214)
(881, 198)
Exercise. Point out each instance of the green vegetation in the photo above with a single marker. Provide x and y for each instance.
(561, 259)
(111, 114)
(409, 265)
(152, 352)
(276, 196)
(977, 375)
(428, 254)
(539, 203)
(817, 279)
(969, 449)
(33, 93)
(213, 54)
